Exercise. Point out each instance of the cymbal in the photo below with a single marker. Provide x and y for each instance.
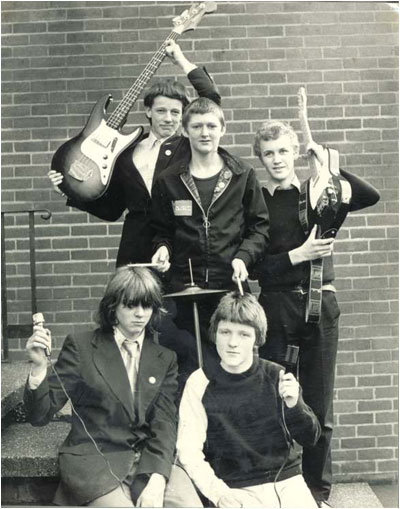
(194, 291)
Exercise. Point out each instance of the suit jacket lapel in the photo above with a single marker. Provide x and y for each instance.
(150, 376)
(108, 361)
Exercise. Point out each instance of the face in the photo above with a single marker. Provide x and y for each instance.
(204, 132)
(132, 321)
(166, 116)
(278, 157)
(235, 343)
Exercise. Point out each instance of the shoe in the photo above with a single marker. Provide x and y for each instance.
(323, 503)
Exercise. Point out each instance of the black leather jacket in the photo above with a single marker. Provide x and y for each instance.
(234, 226)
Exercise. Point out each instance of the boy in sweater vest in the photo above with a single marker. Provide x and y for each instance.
(284, 277)
(239, 419)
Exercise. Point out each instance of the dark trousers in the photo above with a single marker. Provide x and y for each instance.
(178, 333)
(317, 343)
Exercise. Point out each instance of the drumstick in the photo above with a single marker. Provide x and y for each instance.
(239, 282)
(142, 265)
(191, 273)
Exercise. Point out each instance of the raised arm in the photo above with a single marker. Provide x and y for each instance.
(44, 398)
(198, 77)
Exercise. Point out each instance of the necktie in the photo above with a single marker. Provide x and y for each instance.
(132, 349)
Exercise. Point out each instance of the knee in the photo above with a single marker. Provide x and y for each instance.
(180, 491)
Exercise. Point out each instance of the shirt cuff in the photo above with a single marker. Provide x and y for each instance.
(35, 380)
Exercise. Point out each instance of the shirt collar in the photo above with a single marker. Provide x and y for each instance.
(273, 186)
(120, 338)
(152, 138)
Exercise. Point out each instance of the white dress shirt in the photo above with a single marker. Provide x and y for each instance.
(272, 186)
(145, 158)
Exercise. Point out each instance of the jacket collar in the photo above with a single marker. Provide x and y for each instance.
(233, 163)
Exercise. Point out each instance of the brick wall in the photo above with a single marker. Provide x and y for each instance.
(60, 57)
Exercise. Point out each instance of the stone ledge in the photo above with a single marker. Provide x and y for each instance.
(29, 451)
(13, 378)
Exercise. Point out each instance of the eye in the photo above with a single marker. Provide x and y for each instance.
(176, 113)
(244, 334)
(223, 332)
(267, 154)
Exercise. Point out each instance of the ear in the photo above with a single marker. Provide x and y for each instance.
(223, 130)
(147, 111)
(184, 132)
(296, 151)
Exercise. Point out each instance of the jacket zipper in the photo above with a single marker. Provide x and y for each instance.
(206, 222)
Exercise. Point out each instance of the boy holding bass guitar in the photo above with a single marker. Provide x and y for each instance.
(145, 159)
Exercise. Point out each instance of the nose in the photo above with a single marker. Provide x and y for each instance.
(233, 341)
(139, 311)
(168, 116)
(277, 158)
(204, 131)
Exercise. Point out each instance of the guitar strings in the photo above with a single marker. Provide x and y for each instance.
(122, 109)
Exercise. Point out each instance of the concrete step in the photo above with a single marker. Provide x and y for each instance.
(353, 495)
(13, 378)
(27, 451)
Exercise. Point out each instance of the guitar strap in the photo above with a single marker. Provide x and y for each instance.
(331, 210)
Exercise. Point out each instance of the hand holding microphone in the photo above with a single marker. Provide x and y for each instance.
(38, 345)
(288, 388)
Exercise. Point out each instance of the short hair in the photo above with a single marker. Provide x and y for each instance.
(131, 286)
(272, 130)
(167, 88)
(201, 106)
(243, 309)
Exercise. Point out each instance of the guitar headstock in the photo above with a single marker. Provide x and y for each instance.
(190, 18)
(302, 101)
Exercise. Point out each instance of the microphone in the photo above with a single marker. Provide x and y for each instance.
(38, 321)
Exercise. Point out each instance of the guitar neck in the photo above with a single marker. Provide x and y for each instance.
(307, 137)
(117, 118)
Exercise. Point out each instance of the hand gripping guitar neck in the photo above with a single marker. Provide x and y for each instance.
(324, 200)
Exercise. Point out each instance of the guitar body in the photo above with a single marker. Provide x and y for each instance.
(87, 161)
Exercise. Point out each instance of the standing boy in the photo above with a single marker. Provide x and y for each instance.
(237, 419)
(284, 277)
(210, 210)
(147, 157)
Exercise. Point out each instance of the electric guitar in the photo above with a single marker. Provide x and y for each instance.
(87, 161)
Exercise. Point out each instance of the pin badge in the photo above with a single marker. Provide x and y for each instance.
(152, 380)
(227, 174)
(168, 152)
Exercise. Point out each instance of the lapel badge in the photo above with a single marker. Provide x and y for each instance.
(168, 152)
(152, 380)
(227, 174)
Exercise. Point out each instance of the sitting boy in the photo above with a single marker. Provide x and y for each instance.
(237, 419)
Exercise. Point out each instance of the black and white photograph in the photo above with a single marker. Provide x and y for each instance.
(199, 254)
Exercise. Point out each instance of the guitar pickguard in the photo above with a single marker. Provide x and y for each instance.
(104, 145)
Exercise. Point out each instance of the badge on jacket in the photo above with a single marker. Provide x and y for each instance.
(182, 207)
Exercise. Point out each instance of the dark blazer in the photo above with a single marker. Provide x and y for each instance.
(92, 370)
(127, 189)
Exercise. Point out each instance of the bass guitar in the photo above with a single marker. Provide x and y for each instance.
(87, 161)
